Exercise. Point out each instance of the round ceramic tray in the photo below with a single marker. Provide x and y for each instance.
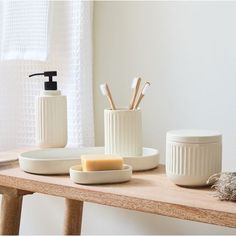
(59, 160)
(100, 177)
(51, 161)
(149, 160)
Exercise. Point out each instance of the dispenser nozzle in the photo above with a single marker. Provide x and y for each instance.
(49, 85)
(36, 74)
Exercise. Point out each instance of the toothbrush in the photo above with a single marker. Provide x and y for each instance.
(135, 87)
(106, 92)
(142, 94)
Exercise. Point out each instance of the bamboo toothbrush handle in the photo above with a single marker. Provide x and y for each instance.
(132, 100)
(138, 102)
(111, 103)
(110, 99)
(135, 93)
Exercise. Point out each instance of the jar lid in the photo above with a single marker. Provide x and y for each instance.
(194, 136)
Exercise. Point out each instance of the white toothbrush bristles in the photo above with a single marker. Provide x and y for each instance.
(142, 94)
(134, 82)
(135, 87)
(103, 88)
(145, 88)
(106, 92)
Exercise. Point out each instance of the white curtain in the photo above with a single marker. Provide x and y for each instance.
(70, 53)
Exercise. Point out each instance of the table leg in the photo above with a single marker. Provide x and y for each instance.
(11, 210)
(73, 217)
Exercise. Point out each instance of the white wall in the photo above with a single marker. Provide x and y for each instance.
(187, 50)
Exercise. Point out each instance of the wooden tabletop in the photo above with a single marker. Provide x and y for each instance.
(148, 191)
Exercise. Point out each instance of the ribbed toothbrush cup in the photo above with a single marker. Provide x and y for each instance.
(123, 132)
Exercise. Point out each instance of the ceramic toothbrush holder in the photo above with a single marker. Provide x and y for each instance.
(192, 156)
(123, 132)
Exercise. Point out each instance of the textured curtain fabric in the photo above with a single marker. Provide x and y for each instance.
(25, 29)
(70, 53)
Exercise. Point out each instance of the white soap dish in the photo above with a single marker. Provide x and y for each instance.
(59, 160)
(100, 177)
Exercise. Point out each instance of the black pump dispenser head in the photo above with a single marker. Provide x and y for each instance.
(49, 85)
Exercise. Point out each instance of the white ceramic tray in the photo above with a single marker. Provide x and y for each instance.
(52, 160)
(59, 160)
(100, 177)
(149, 160)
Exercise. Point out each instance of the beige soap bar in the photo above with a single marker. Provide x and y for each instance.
(101, 162)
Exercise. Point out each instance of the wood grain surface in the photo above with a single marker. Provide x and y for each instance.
(148, 191)
(11, 210)
(73, 217)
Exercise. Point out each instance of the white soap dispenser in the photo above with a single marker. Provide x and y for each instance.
(51, 115)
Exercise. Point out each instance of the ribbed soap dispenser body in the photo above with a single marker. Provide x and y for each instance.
(51, 115)
(51, 120)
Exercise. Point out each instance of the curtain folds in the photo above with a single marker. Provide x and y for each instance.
(70, 53)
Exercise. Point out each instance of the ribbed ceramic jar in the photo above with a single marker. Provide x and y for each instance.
(123, 132)
(192, 156)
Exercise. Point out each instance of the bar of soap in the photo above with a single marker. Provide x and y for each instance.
(101, 162)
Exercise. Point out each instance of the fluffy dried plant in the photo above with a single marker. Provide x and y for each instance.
(225, 185)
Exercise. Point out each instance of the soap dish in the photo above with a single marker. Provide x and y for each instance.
(100, 177)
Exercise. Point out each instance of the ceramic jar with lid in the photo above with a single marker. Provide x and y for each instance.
(192, 156)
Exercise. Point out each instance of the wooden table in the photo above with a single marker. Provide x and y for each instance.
(148, 191)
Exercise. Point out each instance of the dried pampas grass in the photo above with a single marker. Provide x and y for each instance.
(225, 185)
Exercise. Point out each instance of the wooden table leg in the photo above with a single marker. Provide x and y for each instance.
(73, 217)
(11, 210)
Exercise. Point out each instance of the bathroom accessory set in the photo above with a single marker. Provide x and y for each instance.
(191, 156)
